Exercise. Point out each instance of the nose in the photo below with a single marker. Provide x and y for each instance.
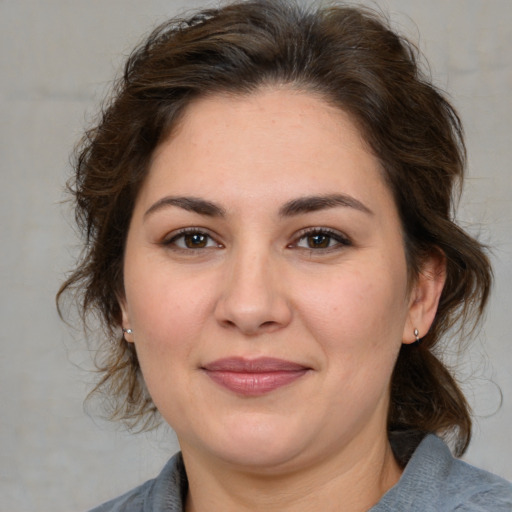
(253, 295)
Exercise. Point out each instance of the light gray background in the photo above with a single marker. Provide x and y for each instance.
(56, 59)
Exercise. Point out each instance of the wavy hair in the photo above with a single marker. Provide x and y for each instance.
(353, 59)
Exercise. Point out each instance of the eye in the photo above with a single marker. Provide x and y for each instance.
(320, 238)
(191, 238)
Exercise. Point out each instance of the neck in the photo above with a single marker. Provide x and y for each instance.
(356, 483)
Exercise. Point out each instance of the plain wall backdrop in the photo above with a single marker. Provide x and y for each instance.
(57, 58)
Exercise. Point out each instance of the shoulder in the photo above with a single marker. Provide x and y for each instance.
(163, 493)
(475, 490)
(131, 501)
(435, 481)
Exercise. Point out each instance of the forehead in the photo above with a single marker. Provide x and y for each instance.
(263, 114)
(272, 140)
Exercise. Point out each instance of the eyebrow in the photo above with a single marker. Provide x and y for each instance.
(297, 206)
(314, 203)
(191, 204)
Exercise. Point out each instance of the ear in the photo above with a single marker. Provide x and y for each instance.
(424, 297)
(125, 319)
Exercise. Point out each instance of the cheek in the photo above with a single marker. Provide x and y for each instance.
(357, 313)
(168, 316)
(360, 302)
(167, 309)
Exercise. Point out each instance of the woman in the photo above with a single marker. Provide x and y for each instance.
(267, 210)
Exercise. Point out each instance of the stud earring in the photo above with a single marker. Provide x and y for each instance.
(127, 331)
(416, 334)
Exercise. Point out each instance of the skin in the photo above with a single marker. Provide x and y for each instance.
(325, 287)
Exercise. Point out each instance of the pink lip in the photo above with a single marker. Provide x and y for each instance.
(253, 377)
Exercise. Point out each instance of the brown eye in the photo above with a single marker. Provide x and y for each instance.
(191, 239)
(318, 241)
(321, 238)
(195, 240)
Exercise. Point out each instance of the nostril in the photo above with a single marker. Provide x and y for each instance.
(228, 323)
(250, 330)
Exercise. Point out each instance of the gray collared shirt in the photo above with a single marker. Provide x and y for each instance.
(433, 481)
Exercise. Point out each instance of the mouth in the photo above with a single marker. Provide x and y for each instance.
(254, 377)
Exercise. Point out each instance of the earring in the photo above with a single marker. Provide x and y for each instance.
(127, 331)
(416, 334)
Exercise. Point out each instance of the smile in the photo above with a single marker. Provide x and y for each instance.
(253, 377)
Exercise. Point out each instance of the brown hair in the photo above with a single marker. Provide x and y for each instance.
(353, 60)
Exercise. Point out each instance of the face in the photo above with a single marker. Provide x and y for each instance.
(266, 282)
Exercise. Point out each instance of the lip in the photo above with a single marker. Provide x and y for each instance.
(254, 377)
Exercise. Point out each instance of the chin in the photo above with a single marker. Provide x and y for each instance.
(259, 457)
(261, 446)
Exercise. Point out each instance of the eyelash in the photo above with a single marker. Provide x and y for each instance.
(329, 235)
(182, 234)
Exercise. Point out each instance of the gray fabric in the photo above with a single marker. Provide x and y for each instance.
(166, 493)
(433, 481)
